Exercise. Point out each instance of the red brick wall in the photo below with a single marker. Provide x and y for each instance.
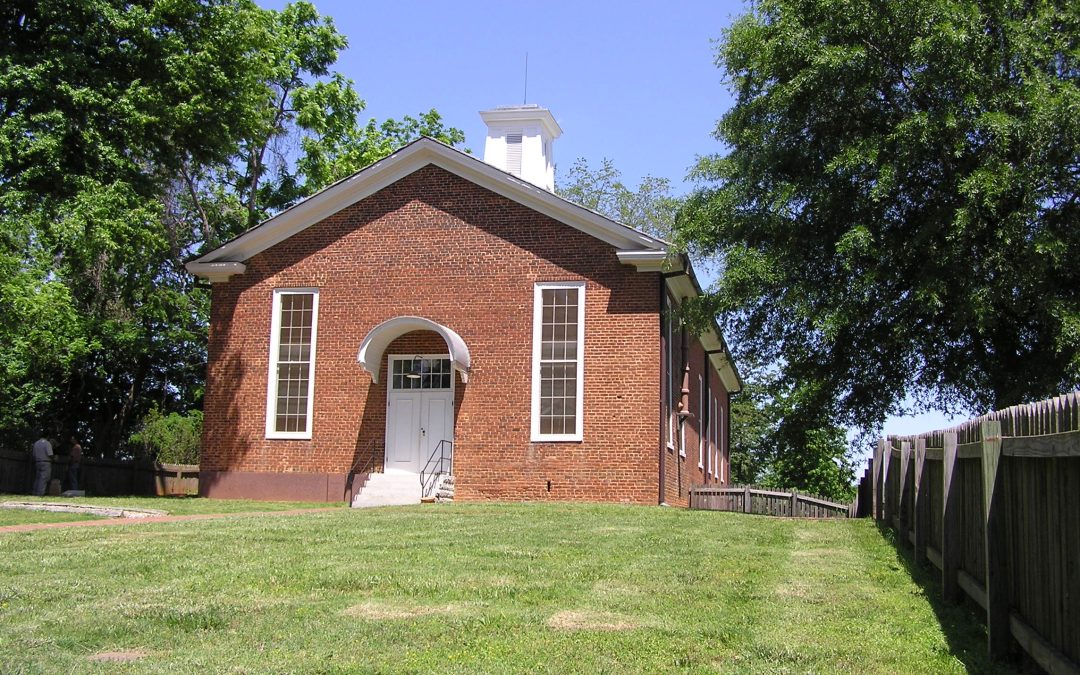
(437, 246)
(682, 472)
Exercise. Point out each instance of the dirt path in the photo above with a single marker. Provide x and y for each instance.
(106, 522)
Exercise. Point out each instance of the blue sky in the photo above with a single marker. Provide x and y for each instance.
(624, 80)
(634, 82)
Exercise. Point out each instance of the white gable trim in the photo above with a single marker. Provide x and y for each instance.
(393, 168)
(216, 271)
(645, 261)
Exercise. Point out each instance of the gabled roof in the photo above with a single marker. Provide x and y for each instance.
(646, 252)
(405, 161)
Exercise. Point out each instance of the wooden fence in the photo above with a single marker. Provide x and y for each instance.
(994, 504)
(103, 477)
(747, 499)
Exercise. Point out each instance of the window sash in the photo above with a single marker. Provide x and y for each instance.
(669, 351)
(436, 373)
(701, 443)
(291, 373)
(558, 361)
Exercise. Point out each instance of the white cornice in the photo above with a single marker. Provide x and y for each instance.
(215, 272)
(521, 114)
(646, 260)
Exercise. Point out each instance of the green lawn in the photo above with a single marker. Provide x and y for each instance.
(23, 517)
(466, 588)
(174, 506)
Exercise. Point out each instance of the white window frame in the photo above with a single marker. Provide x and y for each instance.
(711, 446)
(538, 323)
(712, 432)
(701, 422)
(272, 377)
(669, 356)
(721, 443)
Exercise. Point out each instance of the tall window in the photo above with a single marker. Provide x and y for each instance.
(711, 434)
(701, 440)
(291, 380)
(714, 453)
(669, 362)
(558, 351)
(722, 449)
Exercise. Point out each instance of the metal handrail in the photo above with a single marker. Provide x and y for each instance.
(369, 465)
(429, 475)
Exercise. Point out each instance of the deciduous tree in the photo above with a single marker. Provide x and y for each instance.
(651, 208)
(897, 206)
(132, 136)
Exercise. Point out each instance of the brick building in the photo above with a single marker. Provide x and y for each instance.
(437, 315)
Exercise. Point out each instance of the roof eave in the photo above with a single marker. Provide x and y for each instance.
(215, 272)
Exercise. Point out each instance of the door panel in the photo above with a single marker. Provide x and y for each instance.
(437, 422)
(403, 427)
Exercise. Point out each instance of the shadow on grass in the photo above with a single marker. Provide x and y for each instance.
(961, 624)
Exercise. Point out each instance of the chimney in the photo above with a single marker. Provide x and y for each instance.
(519, 141)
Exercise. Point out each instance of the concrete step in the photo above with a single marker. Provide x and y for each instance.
(445, 491)
(384, 489)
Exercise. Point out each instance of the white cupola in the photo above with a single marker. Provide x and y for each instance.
(519, 141)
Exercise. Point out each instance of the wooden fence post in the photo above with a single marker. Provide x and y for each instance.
(903, 506)
(996, 580)
(794, 503)
(886, 462)
(951, 506)
(921, 507)
(747, 508)
(877, 490)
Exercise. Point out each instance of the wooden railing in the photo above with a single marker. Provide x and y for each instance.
(369, 462)
(994, 504)
(767, 502)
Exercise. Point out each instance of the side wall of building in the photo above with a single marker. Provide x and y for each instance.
(695, 446)
(437, 246)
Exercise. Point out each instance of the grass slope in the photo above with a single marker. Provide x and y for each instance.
(467, 588)
(174, 506)
(21, 517)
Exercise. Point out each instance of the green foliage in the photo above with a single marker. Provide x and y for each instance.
(897, 208)
(779, 440)
(650, 209)
(169, 439)
(813, 460)
(751, 432)
(132, 136)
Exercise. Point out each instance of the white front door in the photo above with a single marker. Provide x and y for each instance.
(420, 411)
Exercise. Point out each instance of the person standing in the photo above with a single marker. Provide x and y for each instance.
(74, 460)
(42, 453)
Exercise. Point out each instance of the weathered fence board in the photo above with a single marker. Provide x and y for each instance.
(769, 502)
(994, 503)
(103, 477)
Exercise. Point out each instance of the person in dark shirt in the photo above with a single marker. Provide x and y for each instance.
(42, 453)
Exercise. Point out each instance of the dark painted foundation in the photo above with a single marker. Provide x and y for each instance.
(292, 487)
